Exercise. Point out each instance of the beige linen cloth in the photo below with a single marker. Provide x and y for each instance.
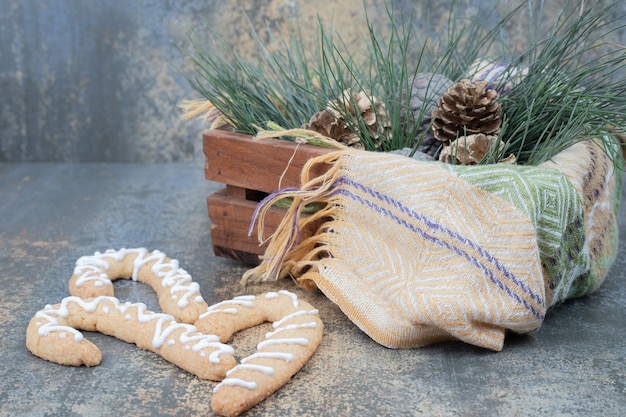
(418, 252)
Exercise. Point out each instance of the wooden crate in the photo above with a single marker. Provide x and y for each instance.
(251, 170)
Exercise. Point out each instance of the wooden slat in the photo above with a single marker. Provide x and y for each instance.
(235, 192)
(230, 221)
(238, 160)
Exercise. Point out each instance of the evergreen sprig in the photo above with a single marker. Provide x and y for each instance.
(567, 97)
(564, 98)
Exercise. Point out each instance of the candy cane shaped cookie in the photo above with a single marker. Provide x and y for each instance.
(178, 294)
(52, 335)
(297, 332)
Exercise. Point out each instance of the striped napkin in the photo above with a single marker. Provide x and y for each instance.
(418, 252)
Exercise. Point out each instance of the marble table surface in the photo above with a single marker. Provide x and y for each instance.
(51, 214)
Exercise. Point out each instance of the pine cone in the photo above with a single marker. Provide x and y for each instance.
(467, 108)
(426, 89)
(470, 150)
(327, 124)
(331, 122)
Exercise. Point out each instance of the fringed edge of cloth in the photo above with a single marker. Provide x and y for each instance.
(286, 254)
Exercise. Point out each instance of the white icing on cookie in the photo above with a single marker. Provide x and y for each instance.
(164, 324)
(181, 286)
(292, 315)
(294, 298)
(235, 382)
(267, 370)
(242, 375)
(244, 300)
(287, 357)
(309, 325)
(290, 341)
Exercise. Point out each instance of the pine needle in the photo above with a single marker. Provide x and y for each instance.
(564, 96)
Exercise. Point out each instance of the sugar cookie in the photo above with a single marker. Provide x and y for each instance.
(199, 348)
(297, 332)
(178, 294)
(52, 335)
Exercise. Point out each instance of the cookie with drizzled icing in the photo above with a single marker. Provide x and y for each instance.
(53, 335)
(297, 332)
(199, 348)
(178, 294)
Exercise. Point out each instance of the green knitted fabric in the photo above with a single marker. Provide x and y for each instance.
(556, 208)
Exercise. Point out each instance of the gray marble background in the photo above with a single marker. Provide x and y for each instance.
(84, 80)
